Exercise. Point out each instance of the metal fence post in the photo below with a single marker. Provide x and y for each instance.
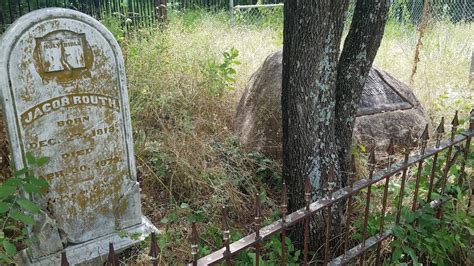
(161, 11)
(231, 10)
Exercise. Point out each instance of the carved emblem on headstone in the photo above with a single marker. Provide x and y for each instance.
(378, 97)
(63, 55)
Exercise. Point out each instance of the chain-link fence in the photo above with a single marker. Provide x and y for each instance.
(449, 10)
(259, 15)
(403, 11)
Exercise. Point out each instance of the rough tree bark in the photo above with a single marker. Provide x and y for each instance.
(360, 47)
(320, 92)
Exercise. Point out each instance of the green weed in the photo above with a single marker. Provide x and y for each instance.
(17, 209)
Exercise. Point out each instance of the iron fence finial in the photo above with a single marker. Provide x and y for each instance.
(439, 132)
(64, 261)
(440, 128)
(455, 122)
(112, 259)
(372, 162)
(391, 147)
(425, 136)
(471, 120)
(194, 243)
(307, 192)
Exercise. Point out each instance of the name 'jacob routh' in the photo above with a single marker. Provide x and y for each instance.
(67, 101)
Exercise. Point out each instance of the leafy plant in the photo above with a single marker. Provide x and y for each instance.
(221, 77)
(16, 208)
(273, 254)
(443, 239)
(422, 235)
(440, 240)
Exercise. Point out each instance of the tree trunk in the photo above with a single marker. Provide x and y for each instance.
(360, 47)
(312, 35)
(321, 92)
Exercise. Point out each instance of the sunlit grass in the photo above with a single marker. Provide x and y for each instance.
(185, 147)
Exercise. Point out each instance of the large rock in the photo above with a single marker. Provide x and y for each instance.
(388, 109)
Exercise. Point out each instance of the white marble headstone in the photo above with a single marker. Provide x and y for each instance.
(64, 95)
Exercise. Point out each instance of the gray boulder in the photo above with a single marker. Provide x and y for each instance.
(388, 109)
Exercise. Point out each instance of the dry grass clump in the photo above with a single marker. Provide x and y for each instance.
(186, 152)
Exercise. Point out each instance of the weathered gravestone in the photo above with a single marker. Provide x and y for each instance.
(388, 109)
(64, 95)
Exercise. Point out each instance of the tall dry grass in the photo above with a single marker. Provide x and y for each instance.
(186, 150)
(442, 80)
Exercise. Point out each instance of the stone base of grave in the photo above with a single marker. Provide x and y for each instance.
(94, 252)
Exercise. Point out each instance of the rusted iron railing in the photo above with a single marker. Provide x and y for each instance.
(346, 196)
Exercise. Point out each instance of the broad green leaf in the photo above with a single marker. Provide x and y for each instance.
(42, 161)
(6, 191)
(297, 254)
(13, 227)
(4, 258)
(26, 219)
(21, 172)
(410, 252)
(4, 207)
(9, 248)
(40, 182)
(396, 254)
(13, 182)
(399, 232)
(410, 217)
(30, 158)
(30, 188)
(28, 205)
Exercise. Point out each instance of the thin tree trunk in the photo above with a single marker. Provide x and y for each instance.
(360, 48)
(313, 31)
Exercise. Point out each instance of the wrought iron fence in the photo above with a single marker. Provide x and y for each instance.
(454, 149)
(129, 14)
